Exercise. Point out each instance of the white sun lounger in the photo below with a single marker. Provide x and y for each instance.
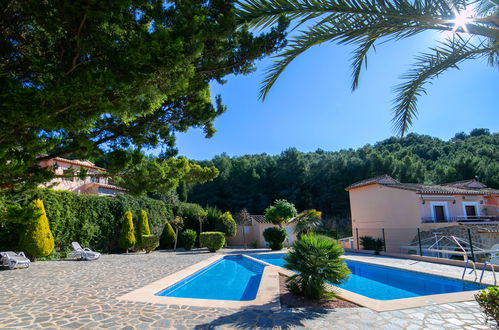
(83, 254)
(14, 260)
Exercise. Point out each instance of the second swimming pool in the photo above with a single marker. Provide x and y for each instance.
(386, 283)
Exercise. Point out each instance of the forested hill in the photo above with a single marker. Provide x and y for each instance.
(318, 179)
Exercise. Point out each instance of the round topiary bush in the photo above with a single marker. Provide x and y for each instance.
(188, 239)
(213, 240)
(167, 238)
(150, 243)
(275, 237)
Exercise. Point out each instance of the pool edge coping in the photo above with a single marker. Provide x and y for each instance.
(267, 296)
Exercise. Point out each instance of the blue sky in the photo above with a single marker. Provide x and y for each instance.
(311, 106)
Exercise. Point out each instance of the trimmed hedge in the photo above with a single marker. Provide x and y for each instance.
(275, 237)
(150, 242)
(93, 221)
(188, 239)
(213, 240)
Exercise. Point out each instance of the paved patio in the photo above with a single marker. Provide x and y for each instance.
(71, 294)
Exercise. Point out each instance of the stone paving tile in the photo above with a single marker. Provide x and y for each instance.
(82, 295)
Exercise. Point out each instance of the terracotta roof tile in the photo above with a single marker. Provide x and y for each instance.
(460, 187)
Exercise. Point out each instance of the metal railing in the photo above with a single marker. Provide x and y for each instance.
(480, 218)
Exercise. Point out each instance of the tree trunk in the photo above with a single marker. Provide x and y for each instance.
(176, 238)
(244, 237)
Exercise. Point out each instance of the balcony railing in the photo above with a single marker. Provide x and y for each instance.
(480, 218)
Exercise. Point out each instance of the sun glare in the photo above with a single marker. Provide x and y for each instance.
(462, 18)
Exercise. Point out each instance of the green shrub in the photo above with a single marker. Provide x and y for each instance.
(127, 237)
(488, 300)
(275, 237)
(190, 214)
(280, 212)
(168, 236)
(370, 243)
(226, 225)
(255, 244)
(150, 242)
(316, 259)
(188, 239)
(142, 228)
(213, 240)
(91, 220)
(37, 239)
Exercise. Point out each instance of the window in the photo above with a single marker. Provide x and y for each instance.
(93, 179)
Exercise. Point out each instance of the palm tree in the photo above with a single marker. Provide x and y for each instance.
(306, 222)
(472, 27)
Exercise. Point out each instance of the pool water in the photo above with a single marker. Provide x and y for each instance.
(230, 278)
(385, 283)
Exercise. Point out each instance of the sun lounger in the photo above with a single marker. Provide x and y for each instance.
(14, 260)
(83, 254)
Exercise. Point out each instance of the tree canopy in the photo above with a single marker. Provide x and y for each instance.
(472, 27)
(82, 79)
(317, 180)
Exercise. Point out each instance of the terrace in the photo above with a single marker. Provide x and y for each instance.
(70, 294)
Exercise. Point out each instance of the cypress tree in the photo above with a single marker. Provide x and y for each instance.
(127, 237)
(37, 239)
(168, 236)
(142, 228)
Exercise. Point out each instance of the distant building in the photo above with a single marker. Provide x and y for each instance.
(383, 203)
(254, 233)
(96, 182)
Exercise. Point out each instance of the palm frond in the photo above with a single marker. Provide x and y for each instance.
(427, 67)
(360, 59)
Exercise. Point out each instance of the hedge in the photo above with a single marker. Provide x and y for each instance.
(93, 221)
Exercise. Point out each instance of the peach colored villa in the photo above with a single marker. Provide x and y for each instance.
(401, 208)
(254, 233)
(96, 182)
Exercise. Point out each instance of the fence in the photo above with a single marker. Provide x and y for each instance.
(434, 243)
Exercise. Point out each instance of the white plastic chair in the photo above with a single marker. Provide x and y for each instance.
(83, 254)
(14, 260)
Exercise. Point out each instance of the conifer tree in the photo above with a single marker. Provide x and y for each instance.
(142, 228)
(37, 239)
(127, 237)
(168, 236)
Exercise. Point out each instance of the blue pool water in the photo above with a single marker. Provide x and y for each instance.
(385, 283)
(230, 278)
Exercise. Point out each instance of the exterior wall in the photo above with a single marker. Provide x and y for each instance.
(255, 233)
(75, 184)
(491, 205)
(454, 205)
(397, 211)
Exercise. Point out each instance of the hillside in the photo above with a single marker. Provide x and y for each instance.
(317, 179)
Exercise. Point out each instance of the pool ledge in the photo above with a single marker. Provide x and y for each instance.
(267, 296)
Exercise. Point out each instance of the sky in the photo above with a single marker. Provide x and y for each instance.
(311, 106)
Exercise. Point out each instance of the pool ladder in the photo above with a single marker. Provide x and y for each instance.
(484, 268)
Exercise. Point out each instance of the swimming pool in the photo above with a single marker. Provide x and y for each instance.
(385, 283)
(230, 278)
